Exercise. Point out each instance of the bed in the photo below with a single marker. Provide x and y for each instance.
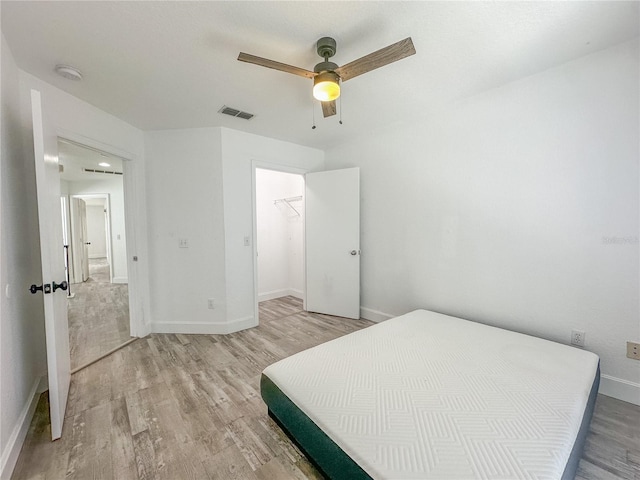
(430, 396)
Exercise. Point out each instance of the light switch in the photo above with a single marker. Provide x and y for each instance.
(183, 243)
(247, 241)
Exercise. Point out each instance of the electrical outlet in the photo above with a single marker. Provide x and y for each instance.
(577, 338)
(211, 304)
(183, 243)
(633, 350)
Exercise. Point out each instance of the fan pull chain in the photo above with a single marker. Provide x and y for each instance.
(340, 100)
(313, 114)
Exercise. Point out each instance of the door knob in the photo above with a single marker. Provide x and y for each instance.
(62, 286)
(354, 252)
(87, 243)
(46, 288)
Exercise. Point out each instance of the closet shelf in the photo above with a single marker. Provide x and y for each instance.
(289, 201)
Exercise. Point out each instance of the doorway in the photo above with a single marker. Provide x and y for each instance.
(90, 219)
(92, 187)
(279, 227)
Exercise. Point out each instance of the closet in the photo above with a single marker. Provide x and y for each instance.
(280, 234)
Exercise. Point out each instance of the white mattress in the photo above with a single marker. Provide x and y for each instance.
(430, 396)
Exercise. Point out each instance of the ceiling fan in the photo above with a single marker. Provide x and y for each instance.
(327, 75)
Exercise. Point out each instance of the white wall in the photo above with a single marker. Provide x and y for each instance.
(184, 188)
(22, 352)
(239, 150)
(112, 185)
(499, 209)
(96, 231)
(64, 187)
(199, 189)
(279, 234)
(83, 123)
(74, 116)
(295, 237)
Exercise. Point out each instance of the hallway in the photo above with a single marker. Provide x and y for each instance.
(98, 315)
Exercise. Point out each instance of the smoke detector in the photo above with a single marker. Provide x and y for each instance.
(68, 72)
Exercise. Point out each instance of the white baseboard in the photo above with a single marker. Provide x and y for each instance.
(273, 294)
(619, 388)
(279, 293)
(374, 315)
(120, 280)
(12, 449)
(296, 293)
(203, 328)
(241, 324)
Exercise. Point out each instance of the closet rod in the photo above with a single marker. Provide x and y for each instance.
(288, 202)
(289, 199)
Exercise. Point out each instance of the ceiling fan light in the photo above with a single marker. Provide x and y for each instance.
(326, 87)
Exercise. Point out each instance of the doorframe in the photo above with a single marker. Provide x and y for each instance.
(65, 206)
(255, 164)
(107, 206)
(135, 226)
(78, 270)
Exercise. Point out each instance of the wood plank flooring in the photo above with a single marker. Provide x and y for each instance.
(98, 315)
(188, 407)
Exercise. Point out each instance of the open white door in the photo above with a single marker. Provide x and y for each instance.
(85, 241)
(332, 236)
(79, 246)
(52, 253)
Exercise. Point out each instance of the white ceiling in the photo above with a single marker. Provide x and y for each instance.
(74, 159)
(165, 65)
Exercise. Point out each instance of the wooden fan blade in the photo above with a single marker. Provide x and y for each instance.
(328, 108)
(283, 67)
(380, 58)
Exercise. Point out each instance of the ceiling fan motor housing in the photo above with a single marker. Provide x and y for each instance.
(325, 67)
(326, 47)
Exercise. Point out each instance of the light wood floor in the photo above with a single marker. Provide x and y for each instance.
(188, 407)
(98, 315)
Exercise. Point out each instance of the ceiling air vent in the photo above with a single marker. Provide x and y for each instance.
(108, 172)
(235, 113)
